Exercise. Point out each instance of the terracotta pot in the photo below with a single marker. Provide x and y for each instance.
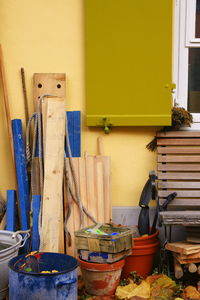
(143, 255)
(101, 279)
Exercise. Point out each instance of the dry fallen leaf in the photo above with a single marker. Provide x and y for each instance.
(190, 293)
(132, 290)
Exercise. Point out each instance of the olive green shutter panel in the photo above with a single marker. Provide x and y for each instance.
(128, 49)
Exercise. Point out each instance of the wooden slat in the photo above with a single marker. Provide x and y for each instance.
(185, 218)
(178, 185)
(178, 167)
(180, 193)
(180, 142)
(53, 176)
(90, 186)
(178, 158)
(49, 83)
(100, 191)
(178, 150)
(178, 175)
(182, 202)
(180, 133)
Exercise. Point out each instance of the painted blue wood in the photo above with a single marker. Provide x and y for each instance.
(22, 178)
(36, 200)
(70, 126)
(77, 134)
(10, 210)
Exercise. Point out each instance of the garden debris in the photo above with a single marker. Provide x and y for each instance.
(153, 287)
(190, 293)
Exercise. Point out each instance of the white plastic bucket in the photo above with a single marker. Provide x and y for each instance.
(16, 241)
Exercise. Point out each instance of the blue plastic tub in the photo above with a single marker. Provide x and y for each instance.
(61, 285)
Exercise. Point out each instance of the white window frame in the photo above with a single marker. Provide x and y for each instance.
(184, 38)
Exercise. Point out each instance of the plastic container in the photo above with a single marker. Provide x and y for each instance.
(143, 255)
(101, 279)
(14, 241)
(61, 285)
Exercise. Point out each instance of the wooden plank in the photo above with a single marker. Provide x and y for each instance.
(178, 167)
(179, 133)
(178, 175)
(180, 193)
(178, 158)
(179, 142)
(178, 150)
(6, 104)
(90, 186)
(82, 187)
(179, 184)
(10, 210)
(188, 261)
(36, 200)
(183, 247)
(49, 83)
(53, 176)
(183, 202)
(185, 218)
(77, 134)
(100, 191)
(22, 177)
(70, 127)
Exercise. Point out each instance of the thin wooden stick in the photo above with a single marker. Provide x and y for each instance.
(25, 95)
(6, 103)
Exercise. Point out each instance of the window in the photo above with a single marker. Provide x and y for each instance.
(187, 57)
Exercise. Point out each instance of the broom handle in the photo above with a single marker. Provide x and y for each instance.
(6, 102)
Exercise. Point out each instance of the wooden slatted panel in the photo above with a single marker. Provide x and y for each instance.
(182, 202)
(178, 158)
(178, 167)
(178, 185)
(179, 133)
(180, 142)
(180, 193)
(178, 175)
(178, 150)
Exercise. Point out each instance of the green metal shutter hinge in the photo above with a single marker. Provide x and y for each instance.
(106, 125)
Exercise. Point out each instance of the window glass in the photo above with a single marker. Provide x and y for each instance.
(197, 27)
(194, 80)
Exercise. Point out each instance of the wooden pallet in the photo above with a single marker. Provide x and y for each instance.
(178, 166)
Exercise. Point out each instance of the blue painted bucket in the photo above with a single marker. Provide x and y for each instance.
(61, 285)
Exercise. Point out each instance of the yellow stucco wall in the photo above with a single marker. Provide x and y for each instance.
(46, 36)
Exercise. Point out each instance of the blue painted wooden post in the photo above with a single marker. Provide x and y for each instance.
(77, 134)
(70, 126)
(74, 125)
(10, 210)
(35, 228)
(22, 178)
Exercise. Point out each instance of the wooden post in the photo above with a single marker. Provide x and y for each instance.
(53, 176)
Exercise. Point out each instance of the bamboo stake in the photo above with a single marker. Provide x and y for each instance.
(25, 95)
(6, 103)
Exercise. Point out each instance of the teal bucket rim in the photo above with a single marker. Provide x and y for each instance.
(12, 267)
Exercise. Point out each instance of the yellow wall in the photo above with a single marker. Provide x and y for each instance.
(46, 36)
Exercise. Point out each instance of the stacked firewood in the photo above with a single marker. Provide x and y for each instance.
(186, 257)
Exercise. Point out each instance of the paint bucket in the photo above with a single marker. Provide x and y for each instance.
(143, 255)
(61, 285)
(10, 242)
(101, 279)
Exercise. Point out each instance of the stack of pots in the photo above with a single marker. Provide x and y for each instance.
(101, 257)
(101, 279)
(143, 255)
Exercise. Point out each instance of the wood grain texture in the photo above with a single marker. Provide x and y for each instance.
(178, 167)
(179, 184)
(93, 177)
(179, 142)
(183, 247)
(178, 158)
(179, 175)
(53, 176)
(180, 193)
(178, 150)
(180, 133)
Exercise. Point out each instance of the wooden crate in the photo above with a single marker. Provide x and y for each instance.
(103, 257)
(110, 243)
